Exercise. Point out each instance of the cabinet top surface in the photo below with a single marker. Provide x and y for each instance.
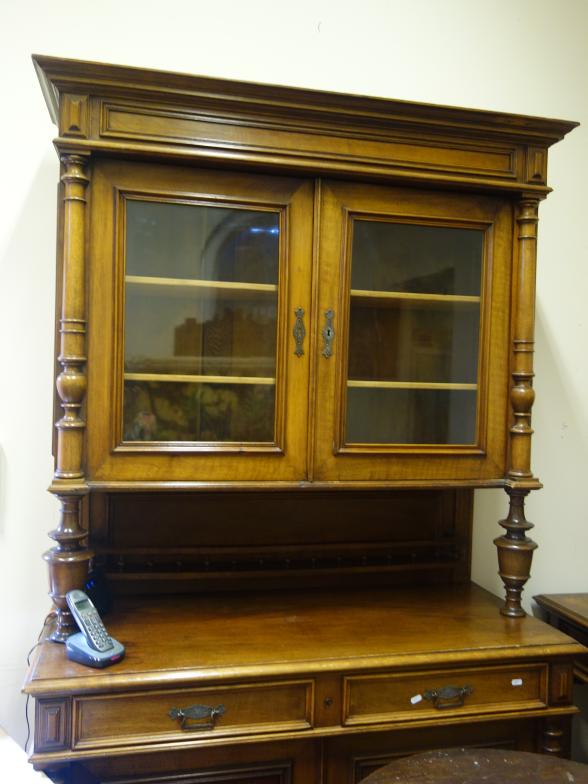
(186, 639)
(66, 75)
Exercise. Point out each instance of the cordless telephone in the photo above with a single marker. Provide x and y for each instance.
(92, 646)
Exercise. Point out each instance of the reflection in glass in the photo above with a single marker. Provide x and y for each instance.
(414, 342)
(155, 411)
(200, 322)
(200, 332)
(172, 240)
(414, 328)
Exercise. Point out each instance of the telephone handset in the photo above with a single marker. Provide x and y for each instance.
(90, 623)
(93, 645)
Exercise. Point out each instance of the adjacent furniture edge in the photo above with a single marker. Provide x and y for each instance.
(569, 613)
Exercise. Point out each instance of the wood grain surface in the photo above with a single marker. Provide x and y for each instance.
(187, 639)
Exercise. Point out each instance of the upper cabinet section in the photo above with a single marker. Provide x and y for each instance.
(115, 109)
(274, 286)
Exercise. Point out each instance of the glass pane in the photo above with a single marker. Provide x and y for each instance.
(201, 300)
(414, 342)
(410, 257)
(200, 332)
(172, 240)
(155, 411)
(411, 416)
(414, 330)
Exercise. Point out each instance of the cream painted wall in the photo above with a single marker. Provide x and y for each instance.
(527, 56)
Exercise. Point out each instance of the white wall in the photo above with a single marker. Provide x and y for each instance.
(526, 56)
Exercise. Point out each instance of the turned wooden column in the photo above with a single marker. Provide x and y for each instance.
(68, 560)
(515, 549)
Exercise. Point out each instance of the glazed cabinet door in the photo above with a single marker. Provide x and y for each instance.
(414, 323)
(199, 290)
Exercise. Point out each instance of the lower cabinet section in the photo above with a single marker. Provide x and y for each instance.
(333, 715)
(342, 759)
(353, 757)
(294, 762)
(256, 773)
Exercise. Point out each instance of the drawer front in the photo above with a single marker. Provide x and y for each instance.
(139, 718)
(383, 698)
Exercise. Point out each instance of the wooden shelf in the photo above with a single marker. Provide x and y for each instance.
(180, 378)
(185, 285)
(379, 299)
(361, 384)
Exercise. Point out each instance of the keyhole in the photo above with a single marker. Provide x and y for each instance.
(328, 702)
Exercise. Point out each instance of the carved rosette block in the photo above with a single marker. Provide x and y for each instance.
(515, 549)
(68, 560)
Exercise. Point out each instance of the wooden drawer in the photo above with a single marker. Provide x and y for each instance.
(383, 698)
(140, 718)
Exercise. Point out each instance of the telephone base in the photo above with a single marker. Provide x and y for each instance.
(79, 651)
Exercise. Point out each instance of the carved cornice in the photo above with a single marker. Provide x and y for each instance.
(59, 75)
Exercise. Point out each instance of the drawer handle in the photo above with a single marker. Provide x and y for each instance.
(189, 716)
(448, 696)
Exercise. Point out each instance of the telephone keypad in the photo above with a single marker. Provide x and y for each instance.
(98, 634)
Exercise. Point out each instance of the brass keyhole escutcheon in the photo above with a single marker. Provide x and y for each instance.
(328, 333)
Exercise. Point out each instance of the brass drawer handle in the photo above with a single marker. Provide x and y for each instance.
(448, 696)
(328, 333)
(189, 716)
(299, 331)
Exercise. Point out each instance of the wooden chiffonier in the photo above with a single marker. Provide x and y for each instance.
(294, 332)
